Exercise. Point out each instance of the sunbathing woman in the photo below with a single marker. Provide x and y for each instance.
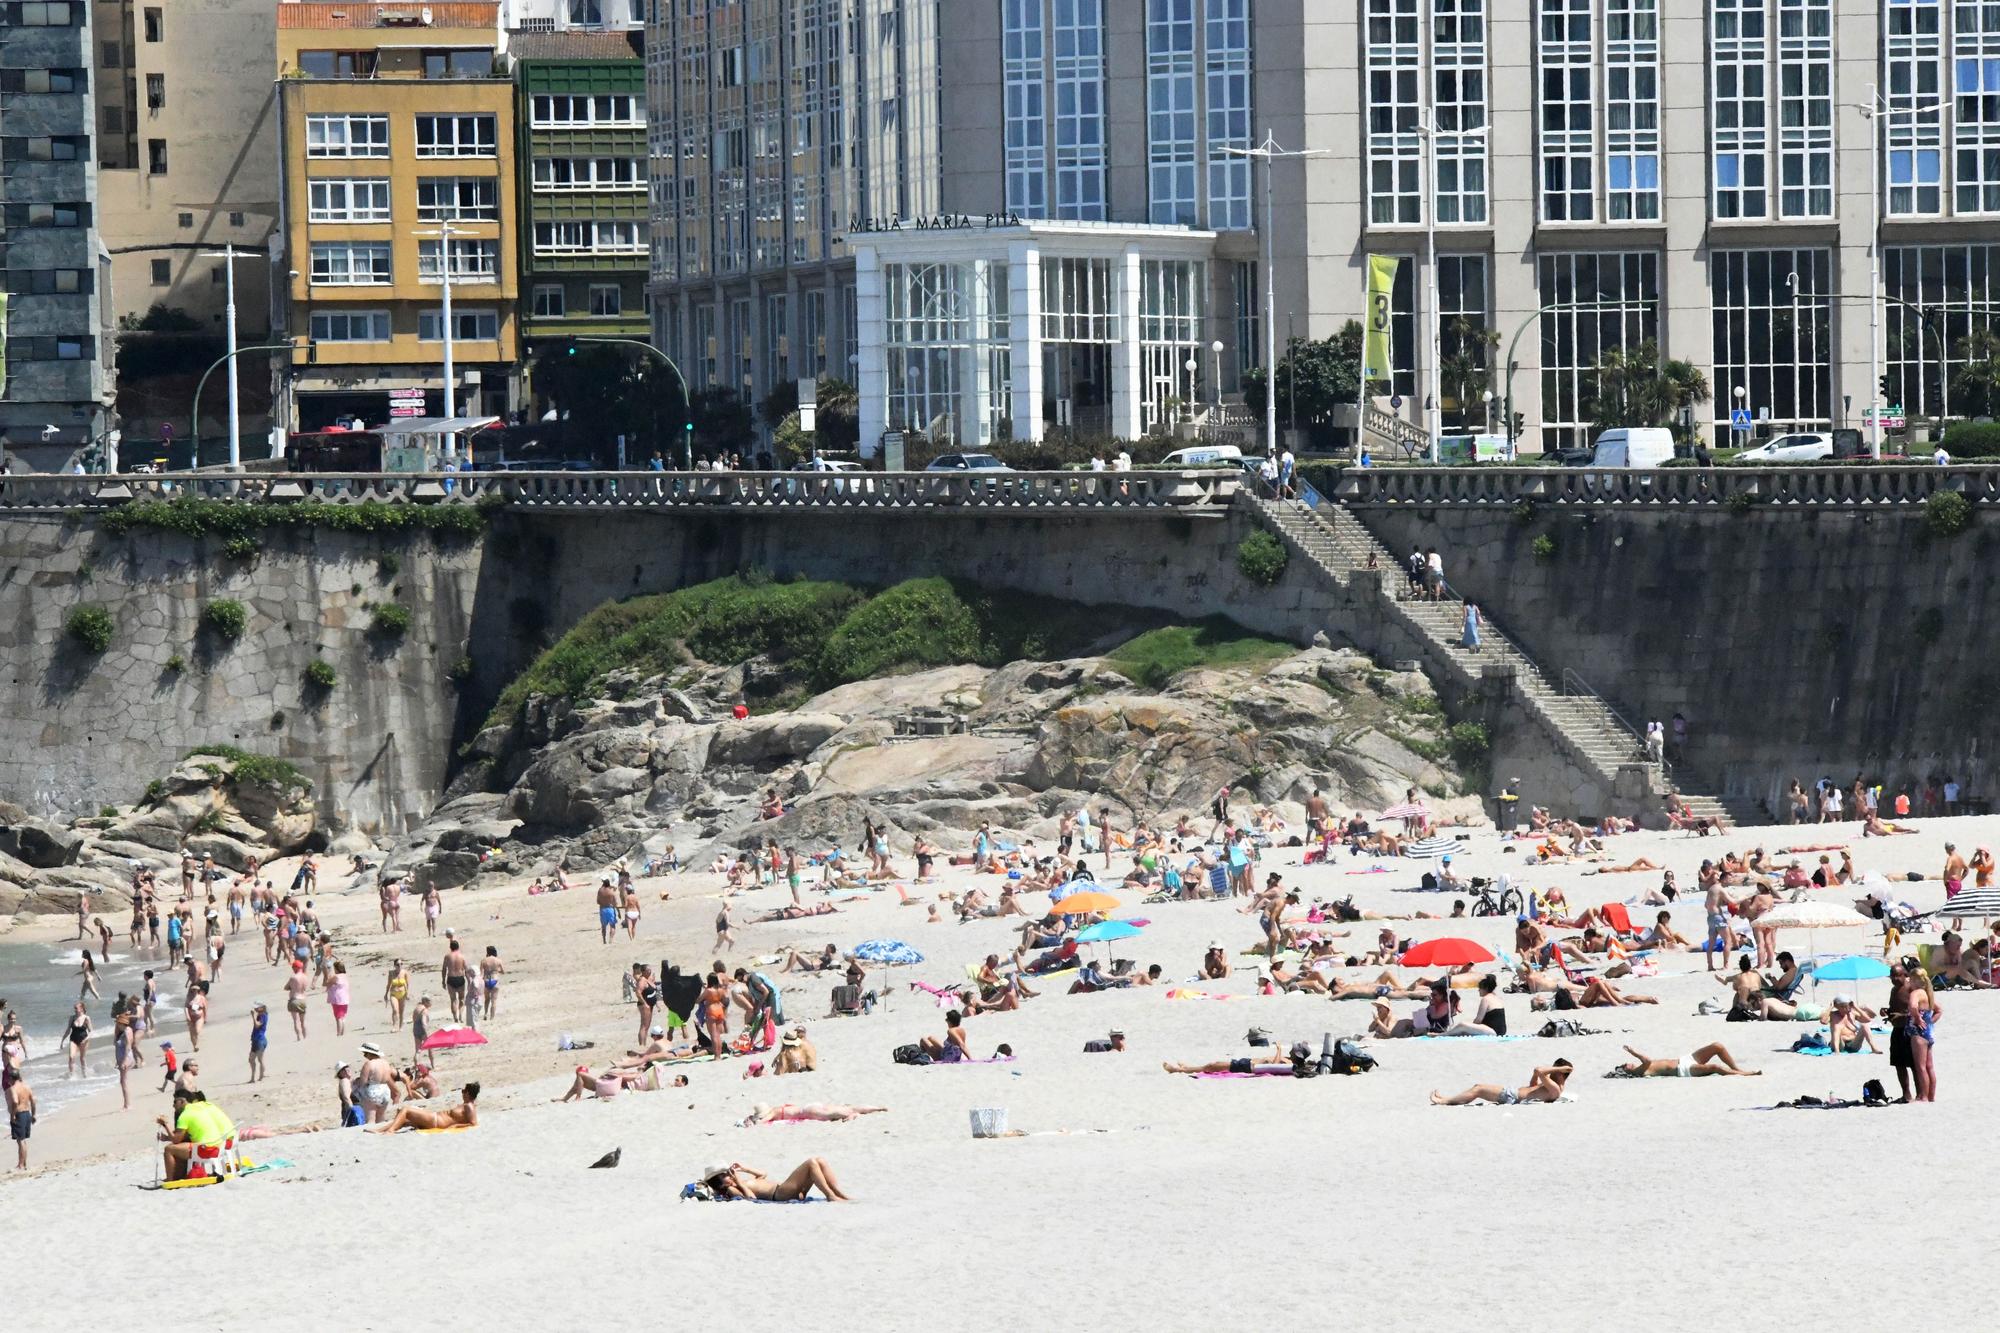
(605, 1084)
(1702, 1063)
(1385, 986)
(1545, 1085)
(737, 1181)
(765, 1114)
(789, 913)
(1636, 863)
(1287, 979)
(826, 960)
(466, 1113)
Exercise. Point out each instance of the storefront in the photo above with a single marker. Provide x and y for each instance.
(974, 334)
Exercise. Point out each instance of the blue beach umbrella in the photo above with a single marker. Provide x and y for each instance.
(1854, 967)
(894, 953)
(1105, 931)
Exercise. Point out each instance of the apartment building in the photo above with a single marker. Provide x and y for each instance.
(581, 117)
(1036, 212)
(187, 155)
(55, 344)
(400, 173)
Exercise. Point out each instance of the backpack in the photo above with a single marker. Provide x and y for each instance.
(909, 1055)
(1430, 882)
(1347, 1058)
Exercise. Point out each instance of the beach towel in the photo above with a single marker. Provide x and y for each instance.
(946, 1064)
(447, 1129)
(1261, 1073)
(1183, 993)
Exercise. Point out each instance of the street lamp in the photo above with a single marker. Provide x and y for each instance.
(1877, 109)
(1740, 394)
(1191, 365)
(229, 254)
(1271, 152)
(1434, 342)
(446, 230)
(1215, 389)
(1487, 399)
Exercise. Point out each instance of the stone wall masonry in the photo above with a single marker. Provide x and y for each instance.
(79, 731)
(1798, 641)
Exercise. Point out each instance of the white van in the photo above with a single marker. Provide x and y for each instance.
(1203, 455)
(1640, 446)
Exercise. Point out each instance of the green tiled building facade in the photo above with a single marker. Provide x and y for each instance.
(582, 127)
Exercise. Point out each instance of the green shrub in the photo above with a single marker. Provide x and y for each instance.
(461, 670)
(389, 619)
(1469, 745)
(1524, 512)
(176, 664)
(155, 789)
(388, 565)
(321, 675)
(1544, 547)
(225, 618)
(1740, 502)
(1946, 514)
(1157, 656)
(1973, 439)
(241, 547)
(107, 812)
(195, 517)
(1262, 558)
(257, 769)
(91, 627)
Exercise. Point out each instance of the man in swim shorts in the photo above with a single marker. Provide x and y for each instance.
(1706, 1061)
(607, 908)
(20, 1113)
(454, 970)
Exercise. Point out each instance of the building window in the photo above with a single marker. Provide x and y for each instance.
(1805, 108)
(48, 281)
(471, 326)
(185, 221)
(350, 263)
(337, 64)
(585, 237)
(1171, 112)
(458, 199)
(812, 331)
(156, 157)
(349, 326)
(1076, 301)
(46, 148)
(330, 199)
(556, 111)
(46, 215)
(1394, 58)
(606, 299)
(155, 24)
(235, 219)
(456, 136)
(1458, 80)
(1913, 127)
(72, 349)
(562, 174)
(1737, 117)
(472, 63)
(1955, 290)
(1466, 355)
(41, 80)
(1249, 319)
(705, 349)
(1976, 107)
(478, 260)
(1602, 303)
(113, 57)
(948, 332)
(1568, 119)
(1228, 71)
(777, 338)
(549, 301)
(1171, 316)
(347, 136)
(1632, 110)
(1079, 88)
(1773, 316)
(156, 91)
(55, 14)
(1026, 90)
(163, 272)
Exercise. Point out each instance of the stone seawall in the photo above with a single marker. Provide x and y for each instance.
(81, 730)
(1797, 641)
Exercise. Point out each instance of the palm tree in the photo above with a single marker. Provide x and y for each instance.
(1975, 386)
(1635, 387)
(1465, 369)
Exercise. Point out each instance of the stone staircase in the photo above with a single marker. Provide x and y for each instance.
(1335, 543)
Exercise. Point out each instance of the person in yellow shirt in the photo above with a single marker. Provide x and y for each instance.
(198, 1123)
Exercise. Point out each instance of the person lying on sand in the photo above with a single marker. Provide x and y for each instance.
(1876, 828)
(605, 1084)
(1240, 1065)
(1703, 1062)
(795, 913)
(1384, 986)
(827, 960)
(1544, 1085)
(1663, 937)
(737, 1181)
(1291, 979)
(765, 1114)
(1636, 863)
(466, 1113)
(1597, 993)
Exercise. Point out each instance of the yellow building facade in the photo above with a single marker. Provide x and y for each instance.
(397, 125)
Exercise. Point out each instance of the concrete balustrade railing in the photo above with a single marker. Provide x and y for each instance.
(1001, 492)
(1833, 485)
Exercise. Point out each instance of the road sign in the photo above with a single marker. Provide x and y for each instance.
(1739, 418)
(1893, 417)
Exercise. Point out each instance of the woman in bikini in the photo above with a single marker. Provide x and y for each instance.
(764, 1114)
(1704, 1062)
(715, 1014)
(1545, 1085)
(396, 993)
(737, 1181)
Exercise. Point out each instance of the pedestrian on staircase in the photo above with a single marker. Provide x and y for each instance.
(1469, 637)
(1434, 567)
(1417, 569)
(1656, 742)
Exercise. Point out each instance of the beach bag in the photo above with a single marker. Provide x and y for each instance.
(1874, 1094)
(1430, 882)
(1347, 1058)
(909, 1055)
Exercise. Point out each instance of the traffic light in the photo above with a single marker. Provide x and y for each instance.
(1516, 426)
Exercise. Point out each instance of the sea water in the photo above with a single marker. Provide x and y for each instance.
(39, 982)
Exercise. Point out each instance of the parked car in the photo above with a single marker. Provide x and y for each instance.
(967, 463)
(1202, 455)
(1799, 447)
(828, 465)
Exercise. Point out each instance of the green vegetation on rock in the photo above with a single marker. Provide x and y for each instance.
(321, 675)
(1946, 514)
(256, 769)
(91, 627)
(194, 517)
(389, 619)
(1262, 558)
(1159, 655)
(225, 617)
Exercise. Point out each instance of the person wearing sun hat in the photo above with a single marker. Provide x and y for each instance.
(373, 1094)
(1215, 963)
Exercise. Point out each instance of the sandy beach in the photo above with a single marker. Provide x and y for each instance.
(1136, 1195)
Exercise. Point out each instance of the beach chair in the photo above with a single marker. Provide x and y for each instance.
(215, 1159)
(1615, 915)
(849, 1002)
(943, 995)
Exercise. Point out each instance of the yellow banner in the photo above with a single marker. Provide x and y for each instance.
(1375, 345)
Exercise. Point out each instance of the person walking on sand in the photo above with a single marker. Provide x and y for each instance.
(714, 1006)
(337, 998)
(20, 1113)
(1954, 882)
(420, 1023)
(454, 971)
(82, 911)
(1716, 904)
(396, 993)
(724, 928)
(433, 906)
(630, 905)
(490, 970)
(88, 972)
(295, 999)
(260, 1039)
(607, 909)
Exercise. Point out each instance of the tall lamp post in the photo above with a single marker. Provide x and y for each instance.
(229, 254)
(1215, 389)
(1877, 109)
(446, 230)
(1270, 152)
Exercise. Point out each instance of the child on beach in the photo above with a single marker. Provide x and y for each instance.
(260, 1019)
(172, 1063)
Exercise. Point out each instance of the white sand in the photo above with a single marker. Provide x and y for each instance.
(1205, 1204)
